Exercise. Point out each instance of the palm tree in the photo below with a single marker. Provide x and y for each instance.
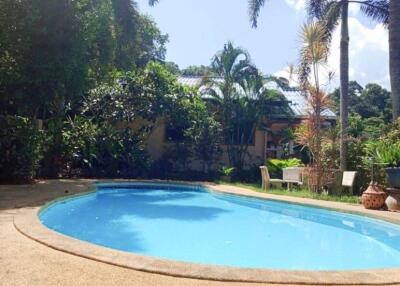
(394, 52)
(241, 100)
(234, 68)
(333, 12)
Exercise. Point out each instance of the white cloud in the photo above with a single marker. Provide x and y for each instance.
(369, 55)
(354, 9)
(296, 4)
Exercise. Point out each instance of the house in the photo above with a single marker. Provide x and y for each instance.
(267, 143)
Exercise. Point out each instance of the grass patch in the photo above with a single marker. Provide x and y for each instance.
(301, 193)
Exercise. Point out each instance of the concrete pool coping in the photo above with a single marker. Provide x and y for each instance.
(28, 223)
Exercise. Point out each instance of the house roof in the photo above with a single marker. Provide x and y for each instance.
(297, 101)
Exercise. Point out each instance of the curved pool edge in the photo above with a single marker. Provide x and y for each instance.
(356, 209)
(29, 224)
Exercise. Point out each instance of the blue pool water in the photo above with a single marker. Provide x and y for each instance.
(187, 223)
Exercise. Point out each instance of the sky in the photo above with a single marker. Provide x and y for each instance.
(198, 29)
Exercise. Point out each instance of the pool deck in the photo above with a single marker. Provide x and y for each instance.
(31, 254)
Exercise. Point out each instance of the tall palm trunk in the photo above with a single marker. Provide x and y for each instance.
(344, 83)
(394, 50)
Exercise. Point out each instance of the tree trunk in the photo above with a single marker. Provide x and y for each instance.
(394, 51)
(344, 84)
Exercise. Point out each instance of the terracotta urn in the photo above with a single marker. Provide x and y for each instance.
(393, 199)
(374, 197)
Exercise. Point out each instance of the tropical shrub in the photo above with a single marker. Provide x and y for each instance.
(227, 171)
(204, 134)
(120, 154)
(70, 146)
(80, 147)
(385, 152)
(20, 148)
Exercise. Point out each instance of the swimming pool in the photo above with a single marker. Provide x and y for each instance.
(191, 224)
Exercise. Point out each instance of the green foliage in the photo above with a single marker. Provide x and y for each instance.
(385, 152)
(49, 66)
(275, 166)
(20, 148)
(227, 171)
(357, 162)
(369, 108)
(204, 134)
(240, 100)
(67, 48)
(140, 94)
(120, 154)
(80, 147)
(196, 133)
(172, 68)
(198, 71)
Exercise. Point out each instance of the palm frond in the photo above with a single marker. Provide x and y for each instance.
(254, 11)
(314, 50)
(316, 8)
(377, 10)
(330, 18)
(153, 2)
(231, 62)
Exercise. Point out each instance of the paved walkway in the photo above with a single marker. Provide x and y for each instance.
(26, 262)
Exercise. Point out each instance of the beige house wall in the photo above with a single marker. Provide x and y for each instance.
(157, 146)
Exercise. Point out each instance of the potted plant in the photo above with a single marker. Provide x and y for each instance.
(387, 153)
(226, 173)
(373, 197)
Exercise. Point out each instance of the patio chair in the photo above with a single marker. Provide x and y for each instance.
(293, 175)
(348, 180)
(266, 179)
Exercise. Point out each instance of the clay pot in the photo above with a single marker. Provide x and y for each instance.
(374, 197)
(393, 199)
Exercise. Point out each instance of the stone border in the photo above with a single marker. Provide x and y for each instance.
(28, 223)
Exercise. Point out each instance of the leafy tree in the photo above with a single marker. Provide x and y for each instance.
(172, 68)
(355, 90)
(126, 20)
(144, 94)
(151, 42)
(198, 71)
(53, 52)
(373, 101)
(97, 20)
(204, 133)
(138, 38)
(42, 54)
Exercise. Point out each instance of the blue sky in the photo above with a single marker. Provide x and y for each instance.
(197, 29)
